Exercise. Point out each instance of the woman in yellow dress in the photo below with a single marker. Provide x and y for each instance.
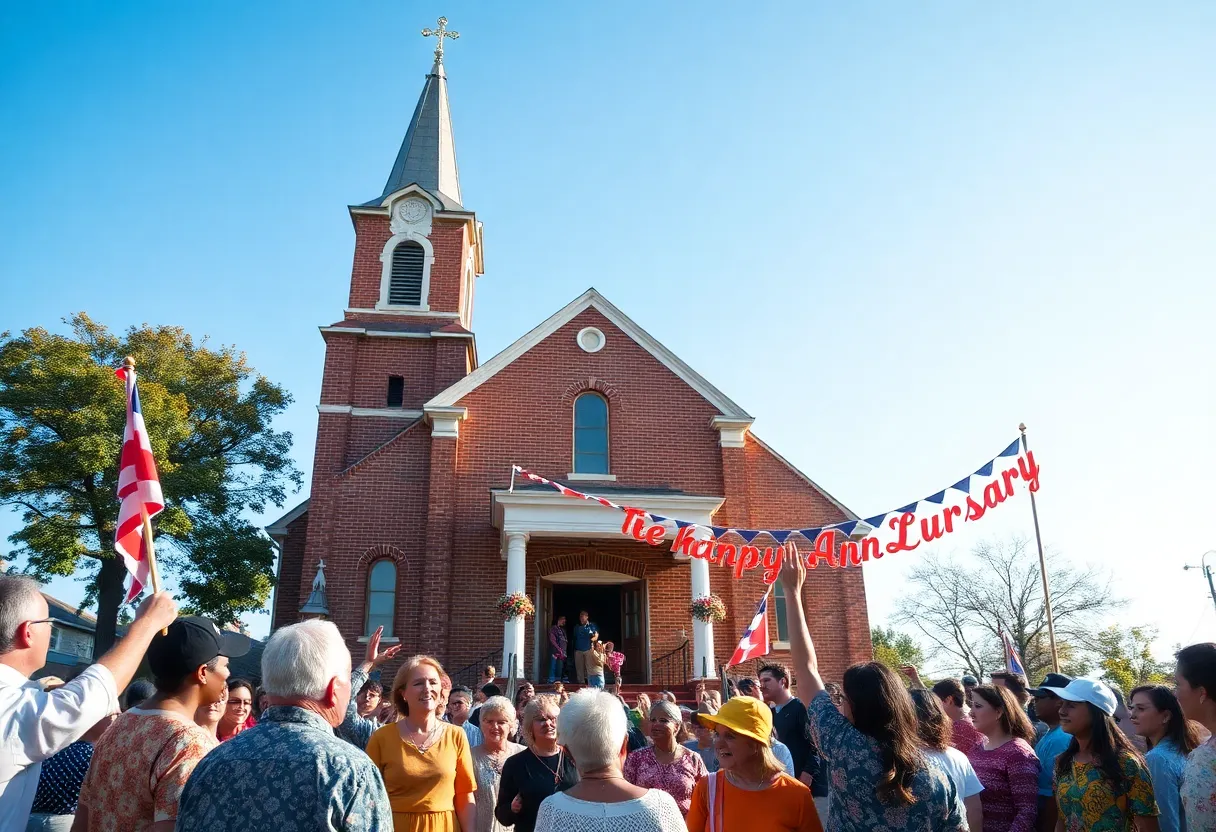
(426, 763)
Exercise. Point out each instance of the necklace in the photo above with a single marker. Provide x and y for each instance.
(429, 739)
(747, 785)
(556, 772)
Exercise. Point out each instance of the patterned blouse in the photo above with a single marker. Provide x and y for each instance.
(61, 778)
(854, 764)
(1087, 801)
(488, 773)
(678, 778)
(288, 773)
(1199, 788)
(1010, 774)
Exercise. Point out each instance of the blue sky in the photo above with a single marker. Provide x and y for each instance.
(890, 231)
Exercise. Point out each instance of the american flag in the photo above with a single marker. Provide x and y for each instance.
(138, 490)
(755, 638)
(1013, 662)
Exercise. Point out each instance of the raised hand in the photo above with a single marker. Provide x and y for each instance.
(374, 658)
(793, 570)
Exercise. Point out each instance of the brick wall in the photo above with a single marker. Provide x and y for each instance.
(372, 232)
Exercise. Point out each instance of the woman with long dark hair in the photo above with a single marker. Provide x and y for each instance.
(1005, 761)
(1102, 784)
(880, 779)
(1196, 680)
(935, 731)
(1157, 716)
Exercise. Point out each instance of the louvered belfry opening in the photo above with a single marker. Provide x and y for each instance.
(405, 283)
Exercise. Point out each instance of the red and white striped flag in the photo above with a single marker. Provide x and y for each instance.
(755, 638)
(138, 491)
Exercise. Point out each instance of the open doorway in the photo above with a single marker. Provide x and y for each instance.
(617, 609)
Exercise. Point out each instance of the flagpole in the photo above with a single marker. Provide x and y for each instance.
(1034, 510)
(129, 363)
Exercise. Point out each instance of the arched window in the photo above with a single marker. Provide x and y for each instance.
(590, 434)
(779, 612)
(381, 596)
(405, 280)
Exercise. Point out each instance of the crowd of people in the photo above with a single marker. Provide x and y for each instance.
(324, 745)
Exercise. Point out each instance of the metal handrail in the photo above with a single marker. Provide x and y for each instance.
(469, 674)
(671, 669)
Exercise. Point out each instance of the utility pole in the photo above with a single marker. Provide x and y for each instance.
(1207, 572)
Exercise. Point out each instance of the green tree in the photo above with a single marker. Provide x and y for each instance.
(895, 649)
(1126, 657)
(62, 413)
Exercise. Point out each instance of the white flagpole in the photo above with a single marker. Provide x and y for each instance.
(1051, 625)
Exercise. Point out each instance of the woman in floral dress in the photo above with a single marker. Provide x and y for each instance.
(1102, 784)
(497, 725)
(666, 765)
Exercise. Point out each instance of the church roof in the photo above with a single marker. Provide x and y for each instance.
(428, 153)
(591, 299)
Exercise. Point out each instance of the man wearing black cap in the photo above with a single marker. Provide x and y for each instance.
(141, 764)
(1047, 707)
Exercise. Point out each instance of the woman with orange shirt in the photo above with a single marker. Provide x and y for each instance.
(751, 789)
(426, 763)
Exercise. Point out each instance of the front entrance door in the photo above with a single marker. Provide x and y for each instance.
(633, 632)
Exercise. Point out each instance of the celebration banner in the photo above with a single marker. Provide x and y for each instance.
(901, 530)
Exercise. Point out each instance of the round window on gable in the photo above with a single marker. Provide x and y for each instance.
(590, 339)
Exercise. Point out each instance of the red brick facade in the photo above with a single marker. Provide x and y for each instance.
(384, 487)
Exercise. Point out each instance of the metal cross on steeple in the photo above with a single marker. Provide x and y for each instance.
(440, 33)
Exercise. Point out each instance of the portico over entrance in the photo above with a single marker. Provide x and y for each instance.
(529, 514)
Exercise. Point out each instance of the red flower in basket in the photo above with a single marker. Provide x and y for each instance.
(515, 605)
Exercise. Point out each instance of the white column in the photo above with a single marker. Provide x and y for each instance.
(513, 630)
(702, 631)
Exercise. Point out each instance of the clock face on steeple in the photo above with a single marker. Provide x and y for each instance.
(412, 210)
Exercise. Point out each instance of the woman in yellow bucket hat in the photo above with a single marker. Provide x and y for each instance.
(751, 791)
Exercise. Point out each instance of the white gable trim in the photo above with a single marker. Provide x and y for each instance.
(279, 527)
(591, 299)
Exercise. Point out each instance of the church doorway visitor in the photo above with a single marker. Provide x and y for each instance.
(616, 604)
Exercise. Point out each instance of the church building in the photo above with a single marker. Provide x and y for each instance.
(414, 520)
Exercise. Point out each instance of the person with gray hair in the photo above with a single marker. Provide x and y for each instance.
(295, 775)
(497, 726)
(665, 764)
(36, 723)
(592, 728)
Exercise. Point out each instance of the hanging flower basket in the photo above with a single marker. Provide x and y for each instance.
(708, 608)
(515, 605)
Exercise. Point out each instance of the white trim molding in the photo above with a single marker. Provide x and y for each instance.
(401, 310)
(732, 433)
(384, 333)
(591, 477)
(550, 514)
(445, 421)
(591, 299)
(382, 412)
(279, 527)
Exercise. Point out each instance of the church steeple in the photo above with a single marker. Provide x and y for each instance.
(428, 153)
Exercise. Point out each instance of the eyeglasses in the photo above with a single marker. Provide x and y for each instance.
(42, 621)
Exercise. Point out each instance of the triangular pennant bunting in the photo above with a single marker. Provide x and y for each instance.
(910, 507)
(847, 528)
(936, 498)
(986, 469)
(1012, 450)
(658, 518)
(718, 530)
(681, 524)
(781, 535)
(748, 534)
(963, 485)
(810, 534)
(876, 520)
